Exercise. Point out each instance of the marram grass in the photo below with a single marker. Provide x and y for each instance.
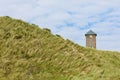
(28, 52)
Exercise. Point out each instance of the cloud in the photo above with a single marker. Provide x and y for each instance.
(71, 18)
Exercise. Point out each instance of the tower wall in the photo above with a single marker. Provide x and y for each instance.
(91, 41)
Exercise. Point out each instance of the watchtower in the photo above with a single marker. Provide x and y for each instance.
(91, 39)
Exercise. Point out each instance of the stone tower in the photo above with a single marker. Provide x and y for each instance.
(91, 39)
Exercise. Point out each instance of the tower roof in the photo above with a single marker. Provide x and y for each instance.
(90, 32)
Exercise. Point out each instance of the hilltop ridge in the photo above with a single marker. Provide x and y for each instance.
(28, 52)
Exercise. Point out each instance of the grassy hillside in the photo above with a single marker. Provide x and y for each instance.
(28, 52)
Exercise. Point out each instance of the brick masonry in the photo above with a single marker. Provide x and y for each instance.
(91, 40)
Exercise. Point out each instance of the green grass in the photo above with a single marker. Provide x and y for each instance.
(28, 52)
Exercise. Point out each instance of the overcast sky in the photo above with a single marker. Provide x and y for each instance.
(71, 18)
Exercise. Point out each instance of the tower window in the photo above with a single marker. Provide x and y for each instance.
(91, 36)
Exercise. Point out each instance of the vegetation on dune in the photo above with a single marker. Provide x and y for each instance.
(28, 52)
